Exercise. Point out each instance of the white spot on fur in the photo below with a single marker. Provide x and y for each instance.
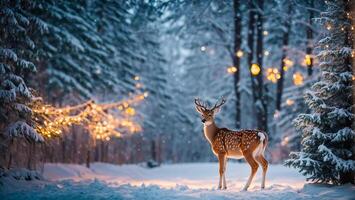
(262, 136)
(208, 123)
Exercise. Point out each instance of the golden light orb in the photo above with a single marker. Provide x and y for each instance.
(138, 85)
(146, 94)
(285, 141)
(288, 62)
(308, 60)
(239, 53)
(255, 69)
(273, 74)
(297, 78)
(231, 70)
(290, 102)
(130, 111)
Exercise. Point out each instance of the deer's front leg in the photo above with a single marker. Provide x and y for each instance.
(222, 162)
(224, 173)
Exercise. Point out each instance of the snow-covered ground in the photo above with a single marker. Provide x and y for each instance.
(175, 181)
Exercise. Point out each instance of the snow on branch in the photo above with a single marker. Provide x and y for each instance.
(22, 129)
(339, 163)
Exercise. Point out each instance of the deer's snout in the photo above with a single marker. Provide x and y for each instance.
(203, 120)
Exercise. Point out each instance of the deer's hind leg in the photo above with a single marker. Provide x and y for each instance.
(264, 164)
(254, 168)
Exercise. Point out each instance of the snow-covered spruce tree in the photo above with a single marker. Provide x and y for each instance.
(16, 48)
(327, 153)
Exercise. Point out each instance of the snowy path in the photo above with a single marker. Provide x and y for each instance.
(177, 181)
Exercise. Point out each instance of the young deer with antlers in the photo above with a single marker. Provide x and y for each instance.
(226, 143)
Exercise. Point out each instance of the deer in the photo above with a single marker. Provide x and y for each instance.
(234, 144)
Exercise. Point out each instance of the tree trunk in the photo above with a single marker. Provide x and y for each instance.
(285, 39)
(259, 87)
(88, 158)
(63, 148)
(251, 35)
(153, 151)
(310, 38)
(10, 152)
(236, 59)
(30, 154)
(74, 144)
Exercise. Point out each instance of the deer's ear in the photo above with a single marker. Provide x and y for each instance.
(216, 110)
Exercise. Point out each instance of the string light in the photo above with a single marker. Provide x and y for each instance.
(239, 53)
(231, 70)
(50, 121)
(266, 53)
(255, 69)
(265, 33)
(285, 68)
(130, 111)
(137, 78)
(203, 48)
(329, 27)
(297, 78)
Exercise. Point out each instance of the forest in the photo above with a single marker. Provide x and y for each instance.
(114, 81)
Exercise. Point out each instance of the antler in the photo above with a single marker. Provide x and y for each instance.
(200, 104)
(217, 105)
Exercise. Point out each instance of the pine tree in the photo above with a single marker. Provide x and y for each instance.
(327, 153)
(16, 50)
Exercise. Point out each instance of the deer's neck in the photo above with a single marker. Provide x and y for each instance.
(210, 130)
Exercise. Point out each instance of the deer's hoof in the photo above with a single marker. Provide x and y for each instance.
(224, 188)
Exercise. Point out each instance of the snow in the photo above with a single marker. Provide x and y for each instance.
(173, 181)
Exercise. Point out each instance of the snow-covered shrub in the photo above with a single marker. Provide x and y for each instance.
(20, 174)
